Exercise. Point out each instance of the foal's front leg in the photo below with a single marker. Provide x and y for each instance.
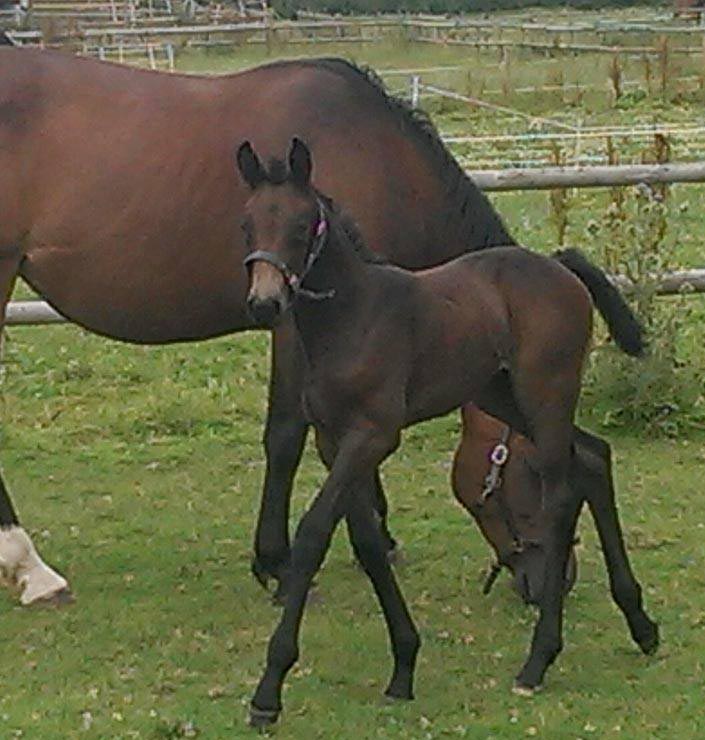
(354, 464)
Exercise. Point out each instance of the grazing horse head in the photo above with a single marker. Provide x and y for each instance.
(286, 220)
(507, 507)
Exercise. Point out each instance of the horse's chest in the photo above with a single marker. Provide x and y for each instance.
(332, 395)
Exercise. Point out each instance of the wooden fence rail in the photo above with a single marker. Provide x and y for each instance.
(36, 313)
(546, 178)
(39, 313)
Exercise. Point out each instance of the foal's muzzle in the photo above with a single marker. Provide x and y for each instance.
(268, 297)
(265, 312)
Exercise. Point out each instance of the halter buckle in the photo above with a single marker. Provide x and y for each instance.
(500, 454)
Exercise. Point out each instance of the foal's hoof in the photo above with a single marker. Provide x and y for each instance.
(521, 689)
(260, 719)
(394, 694)
(63, 597)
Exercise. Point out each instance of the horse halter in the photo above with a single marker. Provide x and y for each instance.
(493, 486)
(293, 280)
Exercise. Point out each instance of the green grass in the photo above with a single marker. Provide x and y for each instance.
(138, 472)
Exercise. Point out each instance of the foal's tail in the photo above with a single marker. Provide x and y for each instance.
(624, 326)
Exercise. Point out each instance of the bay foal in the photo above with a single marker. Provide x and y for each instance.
(386, 348)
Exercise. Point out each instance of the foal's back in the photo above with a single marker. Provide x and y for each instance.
(500, 309)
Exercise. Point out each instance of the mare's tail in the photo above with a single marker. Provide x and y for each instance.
(624, 326)
(5, 39)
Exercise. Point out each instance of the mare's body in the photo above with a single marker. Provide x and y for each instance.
(118, 204)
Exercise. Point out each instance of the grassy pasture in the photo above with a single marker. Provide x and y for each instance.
(138, 471)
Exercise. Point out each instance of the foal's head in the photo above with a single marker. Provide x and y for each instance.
(285, 226)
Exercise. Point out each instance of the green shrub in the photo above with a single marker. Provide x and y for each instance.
(661, 393)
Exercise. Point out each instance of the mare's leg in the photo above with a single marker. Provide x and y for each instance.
(356, 460)
(284, 437)
(593, 478)
(20, 564)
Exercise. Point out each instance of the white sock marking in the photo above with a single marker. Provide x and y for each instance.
(21, 565)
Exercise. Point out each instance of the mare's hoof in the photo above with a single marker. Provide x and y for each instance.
(649, 643)
(521, 689)
(63, 597)
(260, 719)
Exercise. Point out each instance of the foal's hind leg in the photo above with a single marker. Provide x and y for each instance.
(20, 564)
(371, 548)
(593, 478)
(544, 413)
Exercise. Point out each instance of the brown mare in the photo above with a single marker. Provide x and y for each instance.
(494, 480)
(386, 348)
(119, 206)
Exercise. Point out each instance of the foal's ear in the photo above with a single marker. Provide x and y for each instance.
(249, 165)
(300, 164)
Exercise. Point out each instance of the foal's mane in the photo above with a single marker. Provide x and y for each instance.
(345, 229)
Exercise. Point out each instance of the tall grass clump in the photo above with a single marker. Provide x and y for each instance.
(660, 392)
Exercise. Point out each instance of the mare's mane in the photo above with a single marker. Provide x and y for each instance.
(477, 215)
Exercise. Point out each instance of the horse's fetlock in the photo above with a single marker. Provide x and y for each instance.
(627, 596)
(408, 645)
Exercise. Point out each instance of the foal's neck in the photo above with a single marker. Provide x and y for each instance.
(341, 271)
(340, 267)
